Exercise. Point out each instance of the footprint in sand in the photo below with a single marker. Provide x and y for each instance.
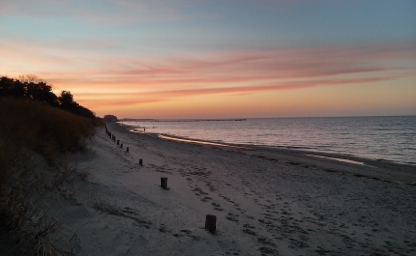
(298, 243)
(163, 229)
(266, 250)
(206, 199)
(233, 252)
(232, 217)
(266, 241)
(217, 207)
(248, 230)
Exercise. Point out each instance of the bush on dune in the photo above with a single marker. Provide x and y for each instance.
(44, 129)
(30, 129)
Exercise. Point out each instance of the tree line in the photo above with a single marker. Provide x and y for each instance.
(33, 88)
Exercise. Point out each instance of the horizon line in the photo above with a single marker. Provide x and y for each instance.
(245, 118)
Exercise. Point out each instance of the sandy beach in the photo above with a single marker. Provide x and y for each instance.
(267, 201)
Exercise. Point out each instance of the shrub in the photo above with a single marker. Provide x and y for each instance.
(30, 129)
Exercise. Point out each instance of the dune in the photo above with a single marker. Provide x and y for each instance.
(266, 201)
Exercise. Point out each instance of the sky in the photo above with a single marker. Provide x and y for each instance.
(172, 59)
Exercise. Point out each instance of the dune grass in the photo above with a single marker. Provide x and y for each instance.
(32, 132)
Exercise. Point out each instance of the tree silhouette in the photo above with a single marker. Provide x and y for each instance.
(41, 92)
(26, 79)
(33, 88)
(66, 99)
(67, 102)
(11, 88)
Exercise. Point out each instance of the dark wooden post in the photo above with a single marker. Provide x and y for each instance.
(211, 223)
(164, 182)
(121, 145)
(141, 162)
(127, 149)
(118, 142)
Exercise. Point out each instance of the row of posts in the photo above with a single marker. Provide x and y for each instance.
(210, 220)
(113, 137)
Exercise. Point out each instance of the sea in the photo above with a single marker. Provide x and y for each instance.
(390, 138)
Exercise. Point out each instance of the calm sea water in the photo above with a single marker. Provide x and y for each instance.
(390, 138)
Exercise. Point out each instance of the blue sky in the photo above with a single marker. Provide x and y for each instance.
(209, 58)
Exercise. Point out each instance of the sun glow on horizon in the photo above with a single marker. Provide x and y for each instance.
(212, 63)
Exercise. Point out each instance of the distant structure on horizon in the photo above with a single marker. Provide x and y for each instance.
(183, 120)
(110, 118)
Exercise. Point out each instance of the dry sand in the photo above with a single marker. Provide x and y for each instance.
(267, 202)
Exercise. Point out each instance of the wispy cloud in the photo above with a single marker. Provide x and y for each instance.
(123, 53)
(268, 65)
(124, 80)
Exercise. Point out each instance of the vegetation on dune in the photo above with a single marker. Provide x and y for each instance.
(43, 129)
(31, 87)
(36, 132)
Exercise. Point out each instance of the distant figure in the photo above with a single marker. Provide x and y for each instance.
(144, 129)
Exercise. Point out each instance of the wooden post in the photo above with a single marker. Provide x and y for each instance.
(164, 182)
(118, 142)
(127, 149)
(211, 223)
(121, 145)
(141, 162)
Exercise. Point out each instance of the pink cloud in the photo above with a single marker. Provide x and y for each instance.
(236, 69)
(275, 87)
(125, 99)
(282, 62)
(162, 78)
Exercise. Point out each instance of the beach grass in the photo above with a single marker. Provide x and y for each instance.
(34, 137)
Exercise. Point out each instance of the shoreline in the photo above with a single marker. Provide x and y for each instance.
(266, 201)
(385, 170)
(334, 154)
(322, 137)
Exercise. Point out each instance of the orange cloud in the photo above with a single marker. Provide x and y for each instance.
(129, 81)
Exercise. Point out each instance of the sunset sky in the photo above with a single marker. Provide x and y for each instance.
(218, 59)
